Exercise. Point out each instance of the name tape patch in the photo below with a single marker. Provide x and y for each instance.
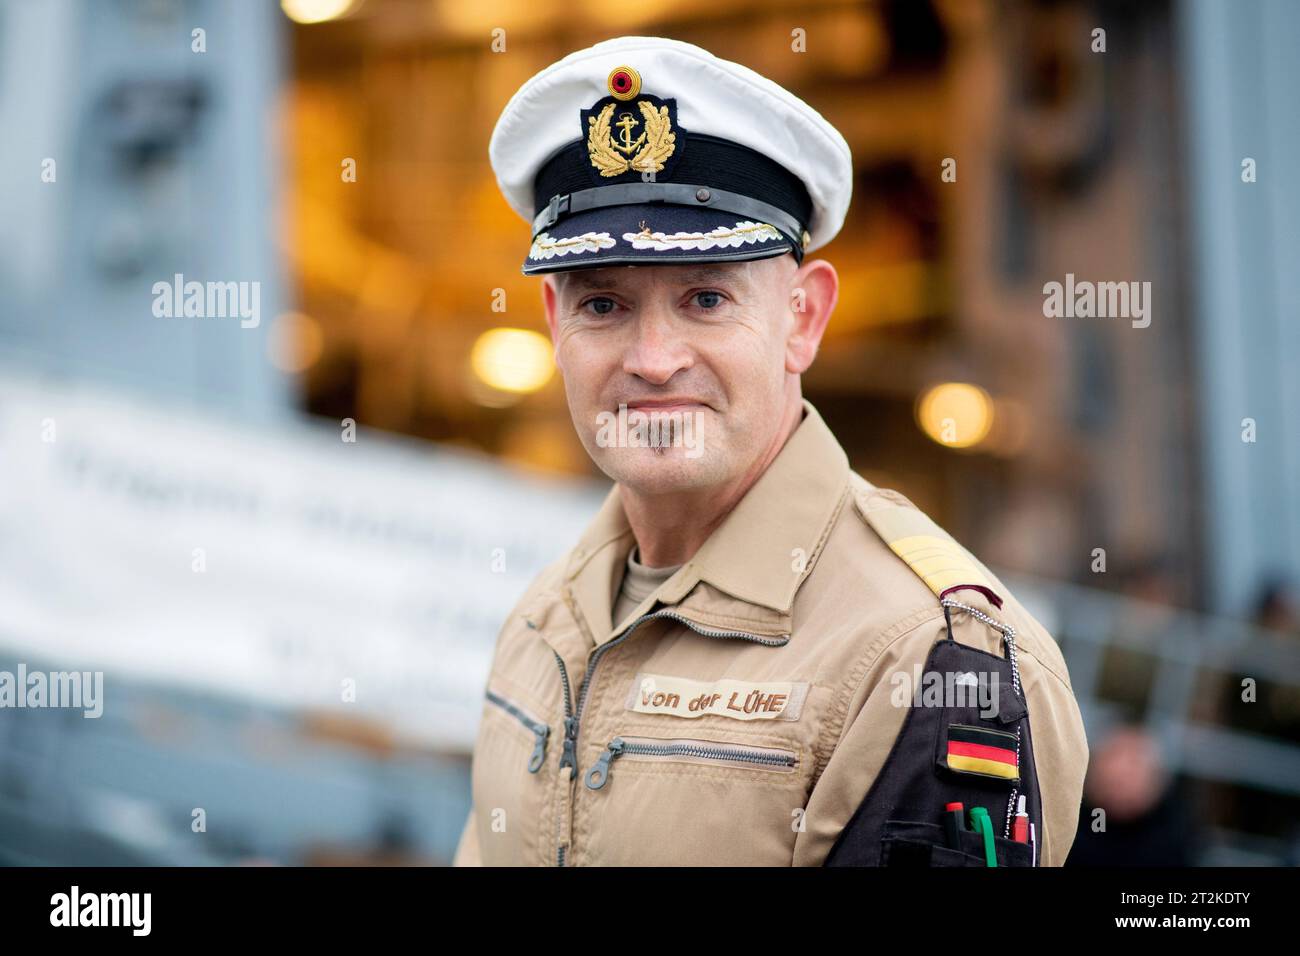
(738, 699)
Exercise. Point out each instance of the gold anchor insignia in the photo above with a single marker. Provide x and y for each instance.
(626, 145)
(654, 146)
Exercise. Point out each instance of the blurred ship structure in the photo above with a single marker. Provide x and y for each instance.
(293, 616)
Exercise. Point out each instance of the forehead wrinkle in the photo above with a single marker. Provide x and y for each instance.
(589, 280)
(707, 274)
(701, 274)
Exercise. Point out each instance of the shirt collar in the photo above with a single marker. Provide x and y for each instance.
(758, 556)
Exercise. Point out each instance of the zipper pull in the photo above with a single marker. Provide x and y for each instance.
(569, 758)
(598, 774)
(539, 749)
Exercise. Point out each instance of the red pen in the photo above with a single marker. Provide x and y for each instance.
(1020, 828)
(953, 824)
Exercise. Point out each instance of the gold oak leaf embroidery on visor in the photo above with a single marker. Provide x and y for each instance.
(546, 246)
(724, 236)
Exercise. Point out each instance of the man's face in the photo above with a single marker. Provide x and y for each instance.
(700, 356)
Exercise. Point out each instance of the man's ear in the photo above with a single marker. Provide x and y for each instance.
(815, 288)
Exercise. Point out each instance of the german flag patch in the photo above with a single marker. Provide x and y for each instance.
(982, 752)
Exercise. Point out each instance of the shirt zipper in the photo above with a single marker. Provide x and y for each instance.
(767, 758)
(540, 730)
(569, 755)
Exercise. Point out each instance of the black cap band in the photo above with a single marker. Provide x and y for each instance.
(681, 194)
(710, 173)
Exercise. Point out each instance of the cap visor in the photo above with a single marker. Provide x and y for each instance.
(651, 234)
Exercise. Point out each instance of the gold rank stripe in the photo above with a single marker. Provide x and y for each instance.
(941, 564)
(926, 548)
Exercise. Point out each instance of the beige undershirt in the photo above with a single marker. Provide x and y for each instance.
(639, 582)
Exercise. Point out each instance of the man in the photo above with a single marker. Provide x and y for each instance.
(753, 656)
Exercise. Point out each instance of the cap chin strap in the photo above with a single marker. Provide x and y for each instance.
(679, 194)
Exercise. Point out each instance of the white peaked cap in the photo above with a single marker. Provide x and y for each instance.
(714, 99)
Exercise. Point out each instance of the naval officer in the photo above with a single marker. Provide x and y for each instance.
(753, 656)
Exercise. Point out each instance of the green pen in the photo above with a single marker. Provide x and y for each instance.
(980, 823)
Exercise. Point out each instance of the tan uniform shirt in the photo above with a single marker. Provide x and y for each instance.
(639, 582)
(779, 643)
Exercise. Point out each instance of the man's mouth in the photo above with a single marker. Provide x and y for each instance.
(666, 406)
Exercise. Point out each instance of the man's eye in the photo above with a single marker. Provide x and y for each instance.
(600, 305)
(708, 300)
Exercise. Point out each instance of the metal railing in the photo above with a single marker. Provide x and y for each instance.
(1193, 659)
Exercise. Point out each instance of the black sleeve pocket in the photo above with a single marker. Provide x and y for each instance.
(914, 843)
(953, 750)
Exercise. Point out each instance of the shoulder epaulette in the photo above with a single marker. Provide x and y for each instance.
(932, 553)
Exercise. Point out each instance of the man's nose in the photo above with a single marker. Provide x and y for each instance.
(659, 348)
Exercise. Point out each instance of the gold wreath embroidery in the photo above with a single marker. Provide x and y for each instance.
(742, 232)
(657, 141)
(546, 246)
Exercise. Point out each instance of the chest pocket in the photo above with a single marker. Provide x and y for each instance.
(510, 791)
(969, 744)
(676, 720)
(540, 732)
(690, 750)
(690, 795)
